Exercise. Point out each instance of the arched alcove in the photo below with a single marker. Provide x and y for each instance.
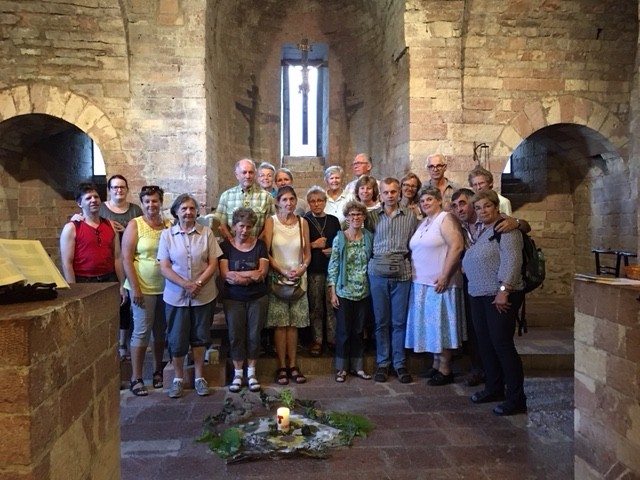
(46, 148)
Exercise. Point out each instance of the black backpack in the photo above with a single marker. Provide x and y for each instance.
(533, 271)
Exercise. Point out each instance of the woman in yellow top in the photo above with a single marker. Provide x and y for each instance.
(145, 284)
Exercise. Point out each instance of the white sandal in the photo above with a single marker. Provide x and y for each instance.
(236, 384)
(254, 384)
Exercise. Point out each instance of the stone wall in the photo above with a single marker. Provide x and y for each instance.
(368, 101)
(607, 415)
(59, 408)
(159, 86)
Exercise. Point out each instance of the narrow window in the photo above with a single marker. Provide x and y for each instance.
(304, 100)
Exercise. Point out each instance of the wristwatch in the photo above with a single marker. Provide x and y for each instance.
(503, 288)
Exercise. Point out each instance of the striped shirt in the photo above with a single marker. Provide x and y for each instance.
(391, 233)
(255, 197)
(489, 262)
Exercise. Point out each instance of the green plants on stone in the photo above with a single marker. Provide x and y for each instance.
(254, 434)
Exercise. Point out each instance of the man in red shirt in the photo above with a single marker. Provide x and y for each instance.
(89, 248)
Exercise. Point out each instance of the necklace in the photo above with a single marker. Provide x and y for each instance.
(288, 221)
(427, 225)
(316, 224)
(154, 222)
(353, 237)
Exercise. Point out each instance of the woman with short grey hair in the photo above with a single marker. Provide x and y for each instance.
(337, 198)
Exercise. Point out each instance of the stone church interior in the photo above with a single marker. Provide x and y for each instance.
(542, 93)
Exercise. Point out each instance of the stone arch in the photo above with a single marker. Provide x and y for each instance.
(63, 104)
(553, 110)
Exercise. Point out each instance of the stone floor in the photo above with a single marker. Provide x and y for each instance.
(421, 432)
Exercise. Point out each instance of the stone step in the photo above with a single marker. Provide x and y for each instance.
(543, 351)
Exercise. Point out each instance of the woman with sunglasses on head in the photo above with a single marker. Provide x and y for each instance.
(349, 291)
(145, 285)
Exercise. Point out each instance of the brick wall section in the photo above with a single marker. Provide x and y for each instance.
(59, 410)
(368, 107)
(607, 416)
(474, 70)
(166, 119)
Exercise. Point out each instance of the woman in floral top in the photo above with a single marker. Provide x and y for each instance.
(349, 291)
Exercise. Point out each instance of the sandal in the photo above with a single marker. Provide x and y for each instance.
(316, 349)
(361, 374)
(123, 351)
(341, 376)
(296, 375)
(236, 384)
(137, 388)
(158, 381)
(282, 376)
(254, 384)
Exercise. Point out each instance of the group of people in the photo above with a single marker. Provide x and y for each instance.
(166, 271)
(388, 252)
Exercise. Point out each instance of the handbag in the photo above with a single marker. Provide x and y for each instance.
(282, 287)
(391, 265)
(285, 289)
(35, 292)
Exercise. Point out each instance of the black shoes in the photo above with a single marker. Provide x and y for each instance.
(403, 375)
(428, 373)
(439, 379)
(507, 408)
(485, 397)
(381, 374)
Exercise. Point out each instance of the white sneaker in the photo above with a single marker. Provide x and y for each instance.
(176, 390)
(202, 388)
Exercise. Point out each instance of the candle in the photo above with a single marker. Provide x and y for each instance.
(282, 417)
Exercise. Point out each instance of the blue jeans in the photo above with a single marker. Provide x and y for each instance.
(390, 299)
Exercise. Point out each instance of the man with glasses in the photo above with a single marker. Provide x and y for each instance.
(266, 175)
(245, 194)
(90, 248)
(362, 165)
(436, 166)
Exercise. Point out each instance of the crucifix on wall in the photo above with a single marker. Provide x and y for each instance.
(305, 48)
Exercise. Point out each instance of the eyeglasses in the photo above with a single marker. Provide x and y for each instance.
(357, 164)
(118, 187)
(150, 190)
(436, 167)
(410, 185)
(356, 214)
(265, 175)
(318, 200)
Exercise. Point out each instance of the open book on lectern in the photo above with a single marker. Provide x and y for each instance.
(27, 261)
